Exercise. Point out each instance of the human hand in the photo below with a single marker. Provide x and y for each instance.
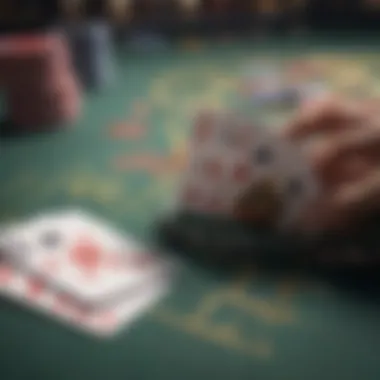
(342, 140)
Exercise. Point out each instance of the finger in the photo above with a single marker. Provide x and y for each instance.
(338, 209)
(348, 171)
(345, 153)
(360, 197)
(372, 105)
(321, 216)
(328, 114)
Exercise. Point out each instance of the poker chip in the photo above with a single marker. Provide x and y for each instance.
(40, 85)
(50, 105)
(90, 44)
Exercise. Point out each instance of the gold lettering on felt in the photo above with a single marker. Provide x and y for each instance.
(99, 189)
(201, 324)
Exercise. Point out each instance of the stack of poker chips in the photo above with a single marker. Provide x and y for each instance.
(39, 81)
(91, 46)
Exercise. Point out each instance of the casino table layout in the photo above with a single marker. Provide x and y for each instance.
(123, 160)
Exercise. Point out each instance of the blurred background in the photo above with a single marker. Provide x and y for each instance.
(122, 124)
(181, 17)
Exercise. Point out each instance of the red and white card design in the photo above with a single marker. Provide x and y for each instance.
(80, 255)
(229, 153)
(33, 292)
(222, 162)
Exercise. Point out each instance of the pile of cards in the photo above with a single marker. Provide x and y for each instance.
(241, 170)
(81, 271)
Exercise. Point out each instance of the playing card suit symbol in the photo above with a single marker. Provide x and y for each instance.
(35, 287)
(86, 256)
(6, 274)
(242, 173)
(212, 169)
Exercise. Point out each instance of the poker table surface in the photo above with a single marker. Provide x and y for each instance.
(123, 161)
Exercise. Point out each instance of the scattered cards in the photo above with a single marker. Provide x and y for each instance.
(79, 269)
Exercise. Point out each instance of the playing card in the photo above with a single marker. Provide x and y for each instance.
(31, 291)
(299, 186)
(79, 255)
(239, 169)
(232, 155)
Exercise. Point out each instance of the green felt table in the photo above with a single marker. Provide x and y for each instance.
(250, 325)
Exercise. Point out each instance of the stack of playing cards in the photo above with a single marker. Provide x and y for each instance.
(81, 271)
(240, 170)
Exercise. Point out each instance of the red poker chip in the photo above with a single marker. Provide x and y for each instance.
(39, 117)
(42, 87)
(19, 80)
(32, 46)
(64, 84)
(53, 104)
(29, 67)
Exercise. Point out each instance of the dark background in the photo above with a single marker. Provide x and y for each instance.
(166, 16)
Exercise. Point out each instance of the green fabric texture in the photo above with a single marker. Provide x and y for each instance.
(242, 326)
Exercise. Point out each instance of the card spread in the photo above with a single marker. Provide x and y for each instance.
(80, 270)
(33, 292)
(239, 169)
(75, 253)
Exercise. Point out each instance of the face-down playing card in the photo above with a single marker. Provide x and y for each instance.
(82, 256)
(239, 169)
